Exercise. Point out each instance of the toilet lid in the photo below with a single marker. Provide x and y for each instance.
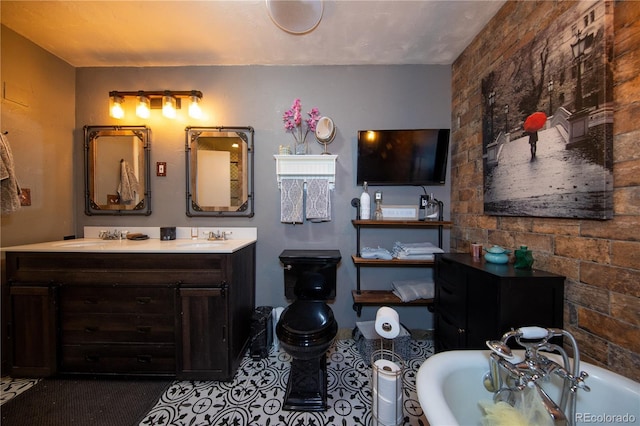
(307, 317)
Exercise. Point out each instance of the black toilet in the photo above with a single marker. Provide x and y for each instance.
(307, 327)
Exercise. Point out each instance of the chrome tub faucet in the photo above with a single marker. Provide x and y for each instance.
(506, 378)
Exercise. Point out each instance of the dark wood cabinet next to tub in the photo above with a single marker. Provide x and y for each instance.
(477, 301)
(148, 314)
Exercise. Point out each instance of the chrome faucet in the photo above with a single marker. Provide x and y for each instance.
(505, 378)
(112, 235)
(219, 235)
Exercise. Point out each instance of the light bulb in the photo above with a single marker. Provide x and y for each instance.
(115, 107)
(169, 106)
(143, 108)
(194, 107)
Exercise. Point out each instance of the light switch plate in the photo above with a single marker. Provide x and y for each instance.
(161, 168)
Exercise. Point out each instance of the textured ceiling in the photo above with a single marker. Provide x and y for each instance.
(215, 32)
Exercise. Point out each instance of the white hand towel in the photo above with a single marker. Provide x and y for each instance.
(318, 207)
(291, 191)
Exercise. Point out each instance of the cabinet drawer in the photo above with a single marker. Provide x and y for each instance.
(129, 359)
(451, 298)
(118, 328)
(113, 300)
(449, 271)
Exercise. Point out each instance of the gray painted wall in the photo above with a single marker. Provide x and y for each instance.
(38, 111)
(356, 97)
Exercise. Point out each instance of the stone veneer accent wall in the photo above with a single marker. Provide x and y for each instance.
(601, 259)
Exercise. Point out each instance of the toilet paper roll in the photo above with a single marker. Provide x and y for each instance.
(387, 323)
(387, 379)
(275, 317)
(387, 412)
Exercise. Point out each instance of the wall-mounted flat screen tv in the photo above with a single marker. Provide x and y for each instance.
(402, 157)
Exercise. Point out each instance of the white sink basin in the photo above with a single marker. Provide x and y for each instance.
(201, 244)
(81, 244)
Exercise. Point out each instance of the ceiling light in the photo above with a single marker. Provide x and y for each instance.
(295, 16)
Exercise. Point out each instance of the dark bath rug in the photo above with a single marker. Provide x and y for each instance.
(98, 402)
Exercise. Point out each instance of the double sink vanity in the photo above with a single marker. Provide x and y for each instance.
(180, 308)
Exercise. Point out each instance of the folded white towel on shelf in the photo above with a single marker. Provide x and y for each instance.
(415, 251)
(409, 290)
(414, 256)
(318, 205)
(375, 253)
(291, 192)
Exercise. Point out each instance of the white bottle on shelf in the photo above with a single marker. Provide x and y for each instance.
(365, 203)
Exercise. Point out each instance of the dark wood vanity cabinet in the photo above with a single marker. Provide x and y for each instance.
(215, 322)
(160, 314)
(477, 301)
(32, 325)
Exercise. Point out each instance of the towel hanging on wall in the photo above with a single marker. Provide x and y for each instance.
(291, 192)
(129, 185)
(9, 187)
(318, 208)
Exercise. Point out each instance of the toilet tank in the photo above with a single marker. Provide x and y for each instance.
(296, 262)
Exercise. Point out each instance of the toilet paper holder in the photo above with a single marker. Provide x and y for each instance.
(387, 396)
(387, 370)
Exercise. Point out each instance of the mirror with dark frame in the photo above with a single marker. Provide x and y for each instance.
(117, 172)
(219, 165)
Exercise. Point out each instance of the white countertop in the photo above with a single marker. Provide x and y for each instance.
(239, 238)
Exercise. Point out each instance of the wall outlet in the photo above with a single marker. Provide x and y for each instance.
(25, 197)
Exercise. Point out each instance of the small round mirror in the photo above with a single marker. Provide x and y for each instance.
(325, 132)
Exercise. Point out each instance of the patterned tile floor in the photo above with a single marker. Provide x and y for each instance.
(255, 395)
(10, 388)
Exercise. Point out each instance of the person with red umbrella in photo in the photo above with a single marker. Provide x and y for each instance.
(531, 125)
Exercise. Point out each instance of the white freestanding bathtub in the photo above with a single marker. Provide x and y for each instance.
(450, 385)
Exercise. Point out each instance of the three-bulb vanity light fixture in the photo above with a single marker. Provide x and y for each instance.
(167, 100)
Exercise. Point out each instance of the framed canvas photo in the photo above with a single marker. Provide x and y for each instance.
(548, 121)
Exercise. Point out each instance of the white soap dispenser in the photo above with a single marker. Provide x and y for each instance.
(365, 203)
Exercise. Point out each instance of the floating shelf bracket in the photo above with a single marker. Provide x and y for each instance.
(306, 167)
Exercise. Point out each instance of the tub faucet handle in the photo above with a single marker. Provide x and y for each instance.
(533, 332)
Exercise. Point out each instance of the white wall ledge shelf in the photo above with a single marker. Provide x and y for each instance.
(306, 167)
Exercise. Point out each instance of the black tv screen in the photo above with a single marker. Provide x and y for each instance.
(402, 157)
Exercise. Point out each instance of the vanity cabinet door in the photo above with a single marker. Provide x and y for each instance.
(203, 342)
(33, 330)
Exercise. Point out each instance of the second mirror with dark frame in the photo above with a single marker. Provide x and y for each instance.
(219, 166)
(117, 175)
